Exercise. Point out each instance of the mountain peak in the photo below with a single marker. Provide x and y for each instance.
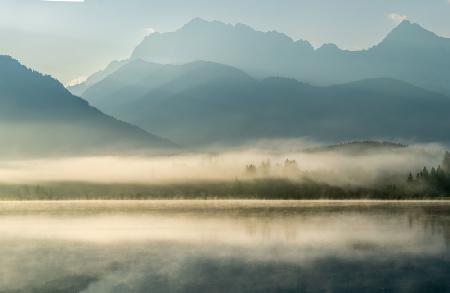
(405, 22)
(43, 118)
(328, 47)
(200, 23)
(408, 33)
(12, 70)
(197, 21)
(408, 26)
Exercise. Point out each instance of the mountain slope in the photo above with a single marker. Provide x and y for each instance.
(409, 53)
(79, 89)
(199, 108)
(38, 116)
(137, 78)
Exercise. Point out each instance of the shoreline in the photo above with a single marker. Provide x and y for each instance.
(444, 199)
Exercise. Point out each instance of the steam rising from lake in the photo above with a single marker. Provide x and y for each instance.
(331, 167)
(224, 246)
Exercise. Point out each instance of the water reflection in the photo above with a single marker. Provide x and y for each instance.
(224, 246)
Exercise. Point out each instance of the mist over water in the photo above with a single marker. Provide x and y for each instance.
(224, 246)
(326, 166)
(222, 148)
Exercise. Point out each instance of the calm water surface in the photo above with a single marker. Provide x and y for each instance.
(224, 246)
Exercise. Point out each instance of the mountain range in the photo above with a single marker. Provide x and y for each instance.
(409, 53)
(204, 103)
(250, 85)
(38, 116)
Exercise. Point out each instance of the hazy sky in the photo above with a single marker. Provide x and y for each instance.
(71, 39)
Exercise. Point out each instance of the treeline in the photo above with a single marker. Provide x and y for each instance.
(236, 189)
(434, 181)
(288, 169)
(259, 183)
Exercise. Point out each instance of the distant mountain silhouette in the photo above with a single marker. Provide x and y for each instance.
(409, 53)
(79, 89)
(138, 77)
(203, 103)
(358, 147)
(38, 116)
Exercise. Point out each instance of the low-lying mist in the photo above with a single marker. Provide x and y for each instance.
(237, 246)
(329, 166)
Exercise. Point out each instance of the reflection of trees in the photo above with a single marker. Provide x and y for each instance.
(430, 219)
(434, 219)
(271, 227)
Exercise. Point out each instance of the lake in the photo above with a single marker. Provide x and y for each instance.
(224, 246)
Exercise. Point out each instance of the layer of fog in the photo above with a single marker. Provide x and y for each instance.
(317, 233)
(181, 250)
(333, 167)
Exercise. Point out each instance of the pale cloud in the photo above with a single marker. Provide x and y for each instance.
(76, 81)
(150, 30)
(398, 18)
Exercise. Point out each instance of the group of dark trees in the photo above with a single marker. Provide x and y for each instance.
(288, 168)
(437, 179)
(268, 181)
(258, 188)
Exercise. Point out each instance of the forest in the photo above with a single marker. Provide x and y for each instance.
(257, 183)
